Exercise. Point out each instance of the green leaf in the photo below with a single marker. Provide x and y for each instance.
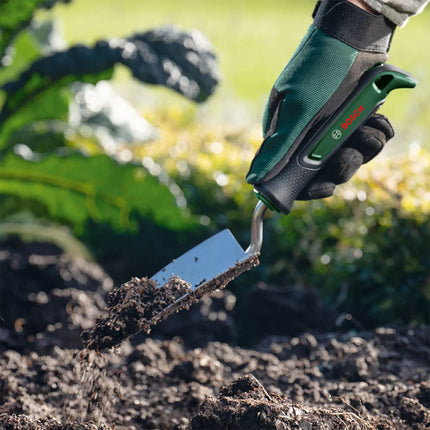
(25, 50)
(14, 15)
(166, 56)
(76, 188)
(52, 104)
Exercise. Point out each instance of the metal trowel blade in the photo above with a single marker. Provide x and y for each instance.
(204, 262)
(211, 265)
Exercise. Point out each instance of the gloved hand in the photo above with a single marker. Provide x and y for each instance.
(343, 42)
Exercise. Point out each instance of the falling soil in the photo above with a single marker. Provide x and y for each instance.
(140, 304)
(375, 379)
(130, 309)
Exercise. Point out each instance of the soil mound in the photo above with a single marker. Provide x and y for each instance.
(47, 296)
(245, 404)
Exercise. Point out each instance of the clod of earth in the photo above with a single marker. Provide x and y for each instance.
(140, 304)
(245, 404)
(130, 310)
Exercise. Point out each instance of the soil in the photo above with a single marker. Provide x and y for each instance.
(289, 378)
(47, 297)
(130, 308)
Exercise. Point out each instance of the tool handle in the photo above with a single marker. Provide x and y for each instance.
(280, 192)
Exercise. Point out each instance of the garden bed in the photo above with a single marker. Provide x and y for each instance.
(369, 379)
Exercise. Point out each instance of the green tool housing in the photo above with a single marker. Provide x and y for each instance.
(279, 192)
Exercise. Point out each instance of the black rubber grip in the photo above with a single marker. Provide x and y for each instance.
(284, 188)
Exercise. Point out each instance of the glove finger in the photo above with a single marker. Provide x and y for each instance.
(338, 170)
(368, 141)
(343, 165)
(319, 188)
(370, 138)
(381, 122)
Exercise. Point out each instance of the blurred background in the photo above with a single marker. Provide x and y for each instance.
(104, 164)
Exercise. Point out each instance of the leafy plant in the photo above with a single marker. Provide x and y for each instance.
(61, 170)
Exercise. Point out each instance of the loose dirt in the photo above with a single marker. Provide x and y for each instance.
(374, 379)
(368, 380)
(130, 309)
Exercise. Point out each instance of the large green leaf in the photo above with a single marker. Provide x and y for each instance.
(52, 104)
(181, 61)
(76, 188)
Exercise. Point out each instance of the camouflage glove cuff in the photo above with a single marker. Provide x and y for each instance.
(343, 42)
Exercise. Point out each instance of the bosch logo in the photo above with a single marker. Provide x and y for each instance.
(336, 134)
(352, 117)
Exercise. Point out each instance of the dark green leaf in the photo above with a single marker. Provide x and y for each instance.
(52, 104)
(76, 188)
(181, 61)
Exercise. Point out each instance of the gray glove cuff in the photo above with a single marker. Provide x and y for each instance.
(354, 26)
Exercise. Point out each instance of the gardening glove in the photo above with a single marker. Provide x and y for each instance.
(343, 42)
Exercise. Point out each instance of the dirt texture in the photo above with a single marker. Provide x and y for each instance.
(194, 375)
(130, 309)
(47, 297)
(375, 379)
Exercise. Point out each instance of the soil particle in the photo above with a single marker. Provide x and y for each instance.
(414, 413)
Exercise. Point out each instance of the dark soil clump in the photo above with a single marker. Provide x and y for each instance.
(245, 404)
(130, 310)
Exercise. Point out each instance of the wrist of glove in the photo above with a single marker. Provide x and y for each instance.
(343, 42)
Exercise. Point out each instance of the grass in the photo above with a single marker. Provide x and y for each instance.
(254, 39)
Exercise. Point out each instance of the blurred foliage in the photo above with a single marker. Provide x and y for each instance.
(75, 168)
(254, 40)
(15, 16)
(366, 248)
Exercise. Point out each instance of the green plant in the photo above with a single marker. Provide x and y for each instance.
(75, 169)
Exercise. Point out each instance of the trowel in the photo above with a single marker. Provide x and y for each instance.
(208, 265)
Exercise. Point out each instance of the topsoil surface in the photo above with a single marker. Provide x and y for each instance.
(190, 373)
